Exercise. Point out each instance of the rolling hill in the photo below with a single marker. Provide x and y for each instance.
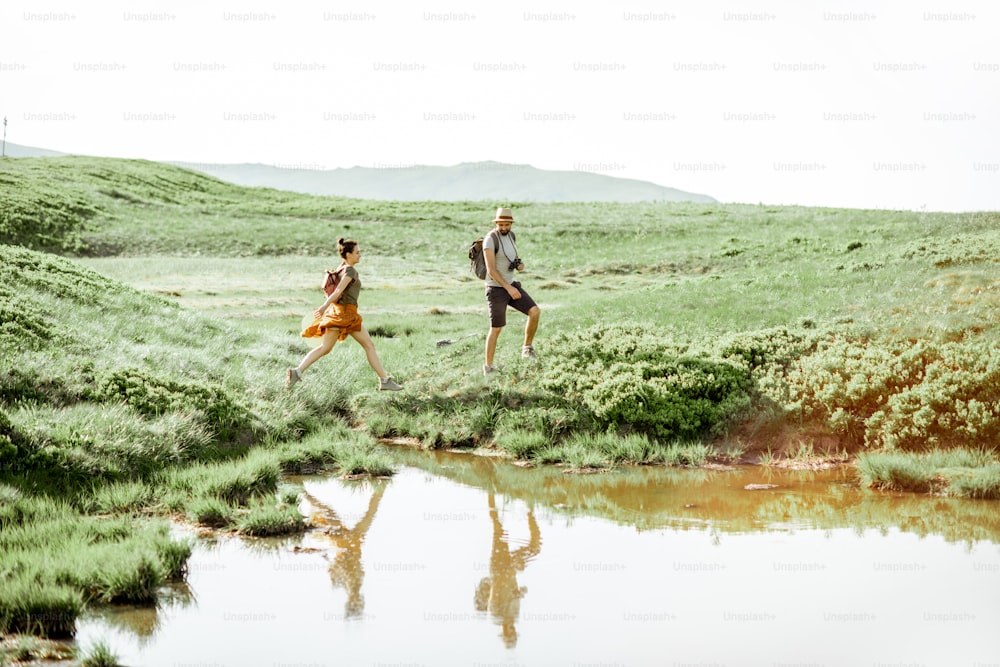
(469, 181)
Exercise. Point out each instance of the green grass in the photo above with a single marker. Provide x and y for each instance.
(270, 520)
(671, 334)
(632, 448)
(959, 472)
(55, 560)
(210, 511)
(979, 482)
(366, 462)
(47, 610)
(234, 482)
(99, 655)
(729, 333)
(576, 455)
(522, 443)
(290, 495)
(267, 520)
(120, 498)
(686, 454)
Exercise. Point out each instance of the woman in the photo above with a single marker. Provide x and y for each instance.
(341, 320)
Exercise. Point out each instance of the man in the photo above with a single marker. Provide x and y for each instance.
(502, 290)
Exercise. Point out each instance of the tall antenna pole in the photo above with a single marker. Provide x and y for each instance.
(4, 153)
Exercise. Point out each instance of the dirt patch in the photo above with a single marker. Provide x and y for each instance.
(29, 650)
(724, 467)
(786, 441)
(585, 471)
(818, 463)
(403, 441)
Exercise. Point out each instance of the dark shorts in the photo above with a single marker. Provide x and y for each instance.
(498, 300)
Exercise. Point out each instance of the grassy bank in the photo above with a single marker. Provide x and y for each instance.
(959, 472)
(118, 407)
(142, 361)
(678, 323)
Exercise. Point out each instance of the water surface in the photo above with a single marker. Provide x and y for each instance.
(464, 560)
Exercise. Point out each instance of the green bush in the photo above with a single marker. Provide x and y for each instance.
(631, 379)
(23, 324)
(900, 394)
(43, 216)
(150, 394)
(844, 382)
(775, 347)
(956, 402)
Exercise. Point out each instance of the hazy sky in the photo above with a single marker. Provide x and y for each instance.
(854, 104)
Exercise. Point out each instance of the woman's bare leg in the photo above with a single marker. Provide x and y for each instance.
(369, 346)
(326, 344)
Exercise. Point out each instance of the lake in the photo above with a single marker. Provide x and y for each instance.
(468, 560)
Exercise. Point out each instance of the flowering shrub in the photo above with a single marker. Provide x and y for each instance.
(900, 394)
(632, 379)
(768, 349)
(844, 382)
(956, 402)
(892, 394)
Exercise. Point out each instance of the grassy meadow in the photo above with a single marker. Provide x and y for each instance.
(147, 315)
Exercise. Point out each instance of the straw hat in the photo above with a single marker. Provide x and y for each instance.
(504, 215)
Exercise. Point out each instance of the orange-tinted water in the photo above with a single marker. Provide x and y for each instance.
(462, 560)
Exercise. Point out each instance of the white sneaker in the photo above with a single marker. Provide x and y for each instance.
(528, 352)
(292, 375)
(489, 368)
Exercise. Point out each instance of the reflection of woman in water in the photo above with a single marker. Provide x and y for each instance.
(345, 569)
(499, 593)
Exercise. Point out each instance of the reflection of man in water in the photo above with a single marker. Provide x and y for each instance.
(345, 569)
(499, 593)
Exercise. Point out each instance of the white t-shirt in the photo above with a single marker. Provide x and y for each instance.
(506, 252)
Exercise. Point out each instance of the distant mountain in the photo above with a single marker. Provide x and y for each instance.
(16, 150)
(475, 181)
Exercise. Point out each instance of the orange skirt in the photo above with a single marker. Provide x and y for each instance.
(339, 316)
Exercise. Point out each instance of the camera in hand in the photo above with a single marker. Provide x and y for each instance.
(514, 263)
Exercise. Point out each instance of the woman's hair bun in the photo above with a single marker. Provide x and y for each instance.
(340, 241)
